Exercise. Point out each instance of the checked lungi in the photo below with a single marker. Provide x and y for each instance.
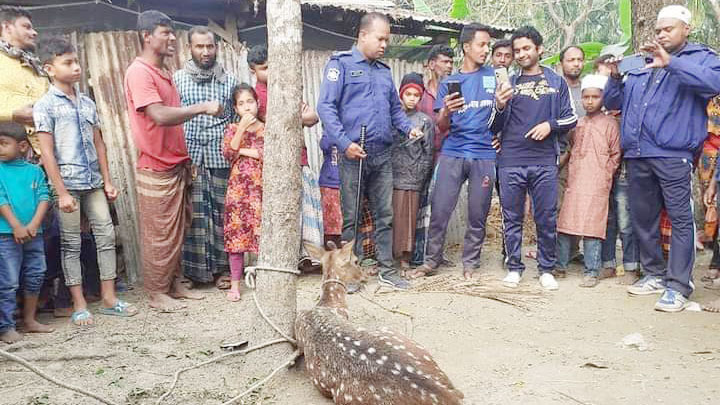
(204, 255)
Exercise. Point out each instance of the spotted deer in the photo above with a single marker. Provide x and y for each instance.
(353, 365)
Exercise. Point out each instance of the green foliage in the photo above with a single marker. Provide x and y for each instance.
(459, 9)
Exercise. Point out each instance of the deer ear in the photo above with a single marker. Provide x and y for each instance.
(316, 252)
(347, 247)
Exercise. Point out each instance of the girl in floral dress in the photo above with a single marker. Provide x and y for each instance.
(243, 148)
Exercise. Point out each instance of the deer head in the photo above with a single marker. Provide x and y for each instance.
(340, 266)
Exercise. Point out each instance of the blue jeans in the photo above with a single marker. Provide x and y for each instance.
(19, 263)
(592, 248)
(619, 223)
(94, 205)
(377, 185)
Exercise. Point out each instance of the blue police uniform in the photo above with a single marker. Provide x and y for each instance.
(357, 92)
(664, 124)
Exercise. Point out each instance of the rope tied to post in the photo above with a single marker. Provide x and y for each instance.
(251, 283)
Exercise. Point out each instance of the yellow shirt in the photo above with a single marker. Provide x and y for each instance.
(19, 86)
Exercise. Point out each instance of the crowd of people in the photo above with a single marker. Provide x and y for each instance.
(589, 156)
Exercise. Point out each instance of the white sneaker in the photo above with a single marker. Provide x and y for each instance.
(512, 279)
(547, 281)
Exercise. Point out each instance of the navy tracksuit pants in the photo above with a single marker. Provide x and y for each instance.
(542, 184)
(655, 183)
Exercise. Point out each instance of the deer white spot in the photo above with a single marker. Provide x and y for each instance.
(323, 373)
(371, 350)
(426, 357)
(371, 388)
(377, 397)
(347, 338)
(384, 358)
(342, 387)
(352, 352)
(415, 386)
(363, 357)
(398, 366)
(357, 343)
(411, 355)
(389, 343)
(395, 372)
(310, 366)
(387, 390)
(348, 398)
(380, 362)
(409, 369)
(322, 385)
(315, 381)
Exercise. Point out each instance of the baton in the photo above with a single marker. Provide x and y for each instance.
(358, 197)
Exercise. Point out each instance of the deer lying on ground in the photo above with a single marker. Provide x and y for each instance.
(353, 365)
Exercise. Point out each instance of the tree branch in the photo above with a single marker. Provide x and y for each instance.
(569, 29)
(716, 9)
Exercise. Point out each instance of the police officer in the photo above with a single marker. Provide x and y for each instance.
(358, 91)
(664, 123)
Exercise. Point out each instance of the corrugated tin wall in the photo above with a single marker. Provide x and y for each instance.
(108, 55)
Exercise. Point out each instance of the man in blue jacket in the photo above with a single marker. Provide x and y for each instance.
(357, 91)
(534, 111)
(664, 124)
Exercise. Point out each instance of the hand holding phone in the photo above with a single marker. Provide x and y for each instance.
(454, 100)
(501, 76)
(454, 87)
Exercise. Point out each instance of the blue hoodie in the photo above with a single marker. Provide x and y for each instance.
(664, 111)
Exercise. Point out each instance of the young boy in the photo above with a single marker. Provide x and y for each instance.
(594, 158)
(76, 162)
(412, 164)
(23, 204)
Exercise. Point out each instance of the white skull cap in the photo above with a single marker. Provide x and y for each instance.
(677, 12)
(593, 82)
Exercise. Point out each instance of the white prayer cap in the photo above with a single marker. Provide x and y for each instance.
(593, 82)
(677, 12)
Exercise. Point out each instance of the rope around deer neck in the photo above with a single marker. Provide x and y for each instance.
(251, 283)
(334, 281)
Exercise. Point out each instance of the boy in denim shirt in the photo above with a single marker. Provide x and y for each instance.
(76, 162)
(23, 204)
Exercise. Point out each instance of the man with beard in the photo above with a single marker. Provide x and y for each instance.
(23, 81)
(572, 62)
(439, 66)
(200, 80)
(664, 124)
(467, 154)
(163, 173)
(358, 91)
(534, 110)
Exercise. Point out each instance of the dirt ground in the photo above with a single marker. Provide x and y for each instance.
(564, 350)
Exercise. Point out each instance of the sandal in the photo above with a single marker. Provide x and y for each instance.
(422, 271)
(80, 316)
(121, 308)
(222, 283)
(233, 295)
(710, 275)
(589, 282)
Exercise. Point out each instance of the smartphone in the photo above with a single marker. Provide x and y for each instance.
(454, 87)
(633, 62)
(501, 76)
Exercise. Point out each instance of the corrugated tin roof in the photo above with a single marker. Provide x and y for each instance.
(391, 10)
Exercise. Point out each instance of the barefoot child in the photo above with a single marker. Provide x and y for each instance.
(23, 203)
(76, 162)
(412, 163)
(594, 158)
(243, 148)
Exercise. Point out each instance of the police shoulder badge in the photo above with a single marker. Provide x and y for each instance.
(333, 74)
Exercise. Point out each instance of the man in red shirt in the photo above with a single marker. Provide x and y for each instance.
(163, 173)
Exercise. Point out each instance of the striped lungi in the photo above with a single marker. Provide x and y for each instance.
(204, 255)
(312, 209)
(165, 209)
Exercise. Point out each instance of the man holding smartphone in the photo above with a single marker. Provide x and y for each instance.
(464, 104)
(533, 111)
(664, 123)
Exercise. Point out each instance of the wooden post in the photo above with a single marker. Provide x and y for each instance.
(644, 16)
(282, 181)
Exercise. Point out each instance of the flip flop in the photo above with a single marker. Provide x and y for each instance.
(82, 315)
(222, 283)
(121, 308)
(422, 271)
(233, 295)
